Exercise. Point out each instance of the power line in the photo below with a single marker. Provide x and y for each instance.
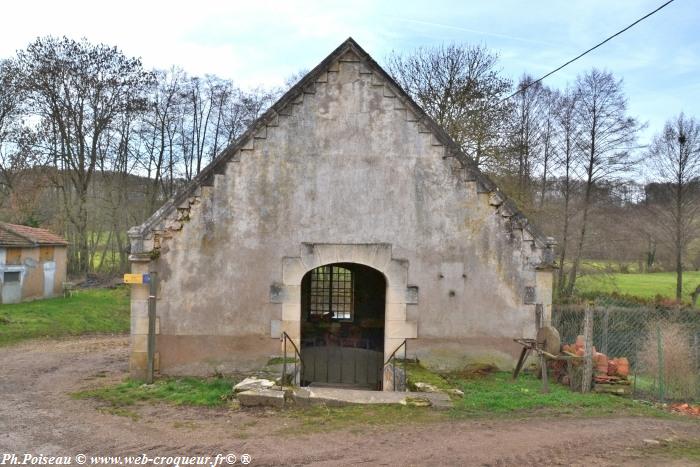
(589, 50)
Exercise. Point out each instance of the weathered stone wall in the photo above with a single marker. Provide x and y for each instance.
(346, 164)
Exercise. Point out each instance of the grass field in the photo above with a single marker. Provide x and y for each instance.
(208, 392)
(646, 286)
(494, 395)
(498, 394)
(90, 311)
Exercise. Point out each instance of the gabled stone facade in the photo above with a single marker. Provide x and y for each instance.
(345, 168)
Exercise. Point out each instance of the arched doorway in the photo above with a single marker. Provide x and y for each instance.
(342, 326)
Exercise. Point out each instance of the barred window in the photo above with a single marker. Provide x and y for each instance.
(331, 292)
(11, 276)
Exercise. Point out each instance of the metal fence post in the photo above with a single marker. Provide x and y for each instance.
(405, 367)
(151, 350)
(284, 360)
(696, 347)
(662, 389)
(636, 367)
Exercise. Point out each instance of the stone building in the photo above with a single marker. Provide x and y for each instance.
(347, 219)
(32, 263)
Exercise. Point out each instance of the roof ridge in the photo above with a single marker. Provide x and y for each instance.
(209, 170)
(451, 147)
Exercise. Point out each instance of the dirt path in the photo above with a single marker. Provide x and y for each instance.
(38, 416)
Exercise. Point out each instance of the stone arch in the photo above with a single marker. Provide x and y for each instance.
(375, 255)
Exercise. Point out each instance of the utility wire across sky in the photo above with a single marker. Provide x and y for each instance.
(589, 50)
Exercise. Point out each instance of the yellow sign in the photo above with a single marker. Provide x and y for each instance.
(133, 278)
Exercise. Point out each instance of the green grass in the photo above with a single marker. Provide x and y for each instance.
(596, 266)
(207, 392)
(88, 311)
(497, 394)
(645, 286)
(419, 374)
(494, 396)
(280, 360)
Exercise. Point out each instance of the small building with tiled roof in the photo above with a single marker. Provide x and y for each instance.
(32, 263)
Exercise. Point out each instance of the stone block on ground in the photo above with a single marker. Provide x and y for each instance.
(416, 401)
(426, 387)
(438, 400)
(253, 383)
(261, 398)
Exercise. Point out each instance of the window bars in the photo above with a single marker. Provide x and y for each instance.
(331, 293)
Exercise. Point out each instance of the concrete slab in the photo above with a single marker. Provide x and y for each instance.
(335, 397)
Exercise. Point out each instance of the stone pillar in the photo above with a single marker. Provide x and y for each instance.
(544, 279)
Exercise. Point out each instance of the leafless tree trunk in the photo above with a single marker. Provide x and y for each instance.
(568, 128)
(675, 158)
(607, 132)
(551, 100)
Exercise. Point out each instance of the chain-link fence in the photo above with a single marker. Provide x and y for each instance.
(661, 345)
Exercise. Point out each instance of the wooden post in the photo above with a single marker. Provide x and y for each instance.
(660, 349)
(538, 317)
(606, 324)
(151, 326)
(545, 381)
(523, 356)
(587, 350)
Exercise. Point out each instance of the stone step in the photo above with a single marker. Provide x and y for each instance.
(340, 397)
(261, 398)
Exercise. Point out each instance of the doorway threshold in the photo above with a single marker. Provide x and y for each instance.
(361, 387)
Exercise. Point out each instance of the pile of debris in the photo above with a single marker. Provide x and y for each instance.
(686, 409)
(610, 375)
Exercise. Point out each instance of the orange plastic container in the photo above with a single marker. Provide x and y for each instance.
(623, 367)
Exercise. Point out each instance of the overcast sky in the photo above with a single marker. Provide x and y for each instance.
(263, 42)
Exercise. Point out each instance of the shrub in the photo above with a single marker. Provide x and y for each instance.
(676, 365)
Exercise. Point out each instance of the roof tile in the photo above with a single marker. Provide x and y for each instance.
(14, 235)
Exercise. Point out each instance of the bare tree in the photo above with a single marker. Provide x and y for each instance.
(244, 108)
(460, 87)
(551, 99)
(525, 138)
(11, 160)
(78, 90)
(568, 130)
(294, 78)
(158, 133)
(607, 133)
(674, 157)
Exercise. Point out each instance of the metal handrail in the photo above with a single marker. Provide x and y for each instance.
(404, 344)
(297, 355)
